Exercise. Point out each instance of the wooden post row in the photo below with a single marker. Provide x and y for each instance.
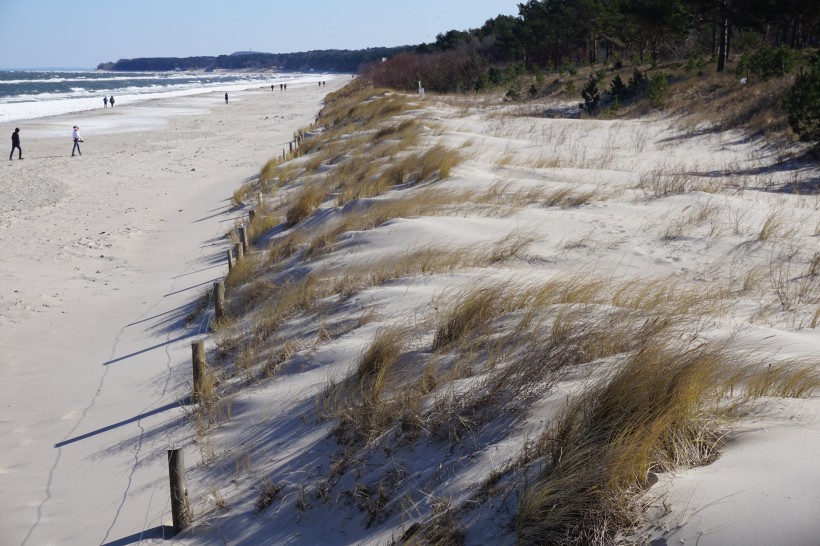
(180, 508)
(198, 362)
(243, 238)
(219, 300)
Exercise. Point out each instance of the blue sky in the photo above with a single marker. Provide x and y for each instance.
(83, 33)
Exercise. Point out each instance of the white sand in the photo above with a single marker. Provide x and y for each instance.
(101, 254)
(126, 248)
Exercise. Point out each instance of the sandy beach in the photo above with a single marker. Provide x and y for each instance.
(103, 254)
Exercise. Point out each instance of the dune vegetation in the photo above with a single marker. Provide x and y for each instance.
(461, 320)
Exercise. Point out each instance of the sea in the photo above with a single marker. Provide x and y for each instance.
(31, 94)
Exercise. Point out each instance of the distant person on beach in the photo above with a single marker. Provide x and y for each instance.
(271, 87)
(226, 98)
(77, 139)
(286, 87)
(15, 143)
(111, 100)
(105, 102)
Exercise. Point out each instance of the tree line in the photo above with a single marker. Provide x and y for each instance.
(560, 34)
(328, 60)
(767, 38)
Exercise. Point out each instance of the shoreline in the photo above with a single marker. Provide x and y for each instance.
(16, 112)
(106, 251)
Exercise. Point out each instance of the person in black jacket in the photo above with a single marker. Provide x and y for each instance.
(15, 143)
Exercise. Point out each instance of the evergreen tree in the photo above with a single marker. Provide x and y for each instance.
(802, 103)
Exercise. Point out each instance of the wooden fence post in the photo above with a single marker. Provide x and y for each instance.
(180, 509)
(290, 146)
(238, 253)
(230, 260)
(243, 238)
(198, 361)
(251, 216)
(219, 300)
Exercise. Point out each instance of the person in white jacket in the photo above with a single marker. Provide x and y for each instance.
(77, 139)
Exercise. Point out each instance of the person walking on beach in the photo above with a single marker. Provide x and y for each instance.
(226, 98)
(111, 100)
(105, 102)
(77, 139)
(15, 143)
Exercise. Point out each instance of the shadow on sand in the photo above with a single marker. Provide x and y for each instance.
(163, 531)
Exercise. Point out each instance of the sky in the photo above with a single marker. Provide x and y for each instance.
(84, 33)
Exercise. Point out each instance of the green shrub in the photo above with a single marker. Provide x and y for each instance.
(617, 89)
(482, 82)
(568, 67)
(590, 95)
(765, 61)
(802, 103)
(658, 85)
(695, 62)
(637, 83)
(538, 73)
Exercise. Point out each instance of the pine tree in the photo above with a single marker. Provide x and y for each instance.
(802, 103)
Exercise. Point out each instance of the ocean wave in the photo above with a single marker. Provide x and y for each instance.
(38, 103)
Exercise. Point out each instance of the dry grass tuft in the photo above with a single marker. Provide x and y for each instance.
(377, 360)
(269, 171)
(772, 226)
(267, 494)
(284, 299)
(263, 221)
(359, 404)
(796, 378)
(659, 410)
(285, 246)
(398, 131)
(242, 193)
(792, 288)
(306, 201)
(472, 309)
(242, 272)
(438, 160)
(665, 180)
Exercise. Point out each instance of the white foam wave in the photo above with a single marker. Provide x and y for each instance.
(53, 104)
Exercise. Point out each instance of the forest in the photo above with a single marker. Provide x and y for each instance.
(329, 60)
(654, 43)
